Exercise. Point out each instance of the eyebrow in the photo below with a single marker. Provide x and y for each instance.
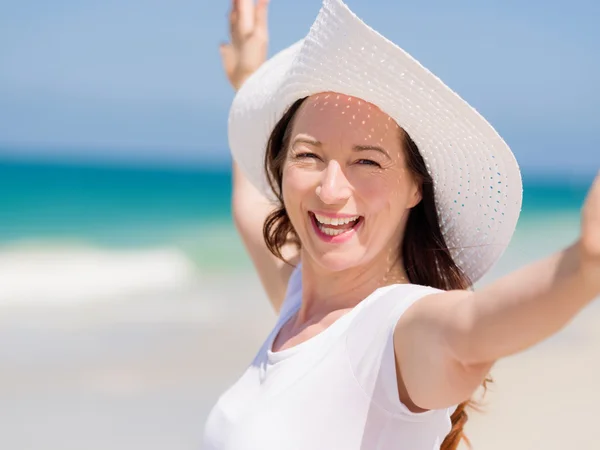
(362, 148)
(356, 148)
(306, 140)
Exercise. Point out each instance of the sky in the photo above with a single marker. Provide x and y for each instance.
(141, 81)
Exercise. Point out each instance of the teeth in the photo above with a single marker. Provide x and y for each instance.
(335, 221)
(331, 232)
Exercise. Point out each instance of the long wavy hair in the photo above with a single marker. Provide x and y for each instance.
(426, 257)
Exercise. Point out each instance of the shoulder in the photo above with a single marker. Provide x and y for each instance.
(375, 321)
(388, 304)
(376, 317)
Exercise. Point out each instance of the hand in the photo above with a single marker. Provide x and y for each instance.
(249, 40)
(590, 232)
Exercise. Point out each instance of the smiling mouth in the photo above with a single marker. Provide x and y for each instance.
(336, 226)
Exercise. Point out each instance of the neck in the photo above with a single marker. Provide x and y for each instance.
(325, 291)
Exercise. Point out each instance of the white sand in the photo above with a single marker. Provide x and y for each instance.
(143, 373)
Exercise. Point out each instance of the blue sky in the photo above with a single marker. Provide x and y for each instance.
(141, 81)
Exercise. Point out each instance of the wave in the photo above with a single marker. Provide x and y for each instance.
(41, 274)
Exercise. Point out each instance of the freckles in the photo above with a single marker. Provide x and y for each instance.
(368, 124)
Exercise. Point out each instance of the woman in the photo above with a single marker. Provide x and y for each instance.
(389, 197)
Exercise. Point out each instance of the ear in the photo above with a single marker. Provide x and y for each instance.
(416, 195)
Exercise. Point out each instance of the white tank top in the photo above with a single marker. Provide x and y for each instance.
(335, 391)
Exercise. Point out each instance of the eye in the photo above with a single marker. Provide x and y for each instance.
(368, 162)
(308, 155)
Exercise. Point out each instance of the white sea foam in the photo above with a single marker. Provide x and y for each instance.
(63, 275)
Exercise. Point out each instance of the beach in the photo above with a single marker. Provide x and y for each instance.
(143, 374)
(127, 374)
(144, 371)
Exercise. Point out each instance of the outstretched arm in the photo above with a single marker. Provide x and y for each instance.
(246, 51)
(446, 343)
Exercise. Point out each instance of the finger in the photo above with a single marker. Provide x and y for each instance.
(596, 187)
(227, 57)
(236, 33)
(245, 9)
(261, 16)
(590, 220)
(234, 14)
(592, 201)
(233, 18)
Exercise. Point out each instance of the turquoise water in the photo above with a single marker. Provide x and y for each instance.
(60, 205)
(184, 207)
(107, 204)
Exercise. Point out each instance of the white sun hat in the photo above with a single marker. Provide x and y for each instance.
(477, 182)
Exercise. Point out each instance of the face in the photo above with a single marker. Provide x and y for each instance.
(346, 187)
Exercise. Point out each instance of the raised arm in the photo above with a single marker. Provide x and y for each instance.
(446, 343)
(241, 57)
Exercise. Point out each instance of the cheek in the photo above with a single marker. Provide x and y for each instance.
(295, 179)
(384, 194)
(374, 188)
(296, 185)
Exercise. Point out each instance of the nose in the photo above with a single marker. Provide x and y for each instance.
(334, 187)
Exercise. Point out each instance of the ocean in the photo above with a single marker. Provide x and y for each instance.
(177, 221)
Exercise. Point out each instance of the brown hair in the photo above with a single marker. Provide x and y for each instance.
(426, 257)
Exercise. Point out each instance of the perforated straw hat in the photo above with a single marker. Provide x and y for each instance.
(477, 182)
